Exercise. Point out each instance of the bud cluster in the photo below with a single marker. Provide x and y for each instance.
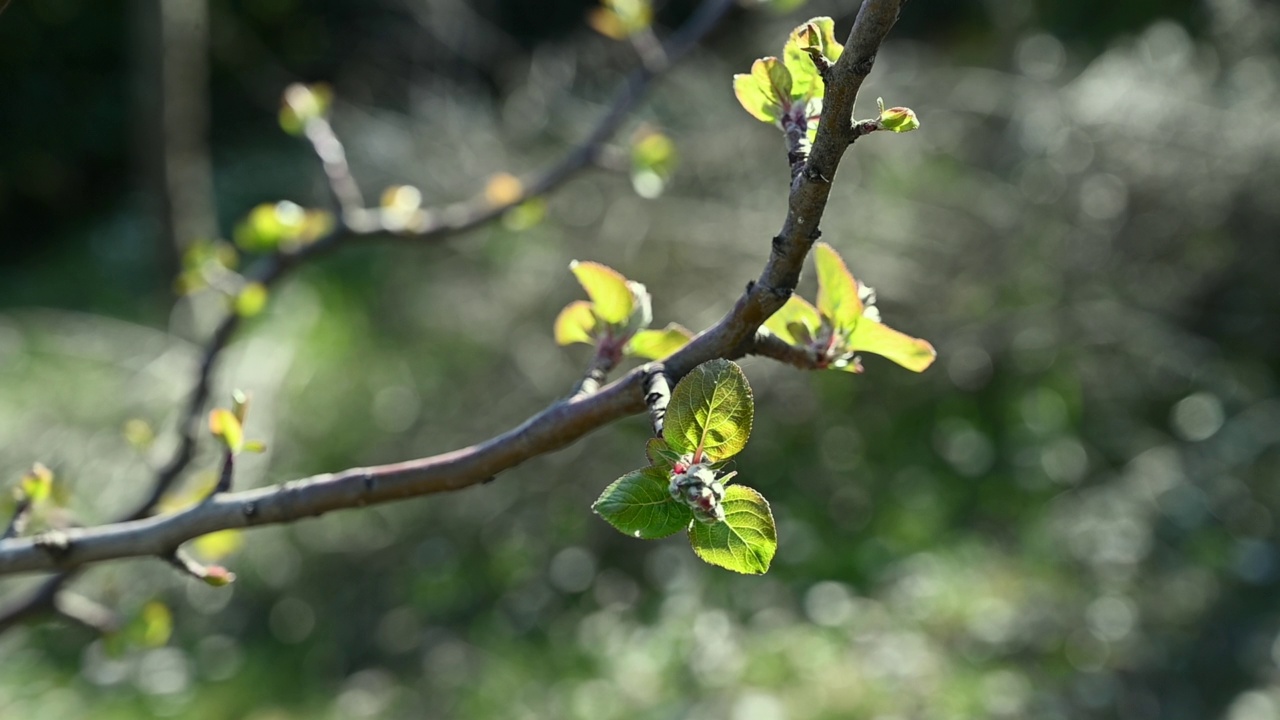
(698, 487)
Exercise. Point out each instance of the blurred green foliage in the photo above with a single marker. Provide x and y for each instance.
(1073, 514)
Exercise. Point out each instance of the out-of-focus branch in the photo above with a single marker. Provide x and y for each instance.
(553, 428)
(21, 513)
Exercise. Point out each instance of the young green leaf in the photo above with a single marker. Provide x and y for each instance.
(710, 412)
(37, 484)
(909, 352)
(837, 290)
(747, 539)
(817, 33)
(754, 98)
(659, 454)
(576, 323)
(224, 426)
(658, 344)
(796, 323)
(607, 289)
(251, 300)
(773, 76)
(640, 505)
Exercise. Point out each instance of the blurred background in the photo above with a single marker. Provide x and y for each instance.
(1072, 514)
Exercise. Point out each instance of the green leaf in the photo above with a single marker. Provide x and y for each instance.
(607, 289)
(837, 290)
(747, 539)
(710, 412)
(754, 98)
(224, 426)
(909, 352)
(659, 454)
(37, 484)
(640, 505)
(576, 323)
(251, 300)
(658, 344)
(653, 161)
(817, 33)
(796, 314)
(255, 446)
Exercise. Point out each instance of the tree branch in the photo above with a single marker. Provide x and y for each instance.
(553, 428)
(358, 222)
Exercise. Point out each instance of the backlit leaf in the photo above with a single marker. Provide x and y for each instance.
(837, 290)
(224, 426)
(576, 323)
(754, 98)
(607, 289)
(797, 312)
(817, 33)
(710, 411)
(658, 344)
(659, 454)
(747, 539)
(909, 352)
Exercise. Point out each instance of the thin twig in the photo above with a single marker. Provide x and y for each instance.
(17, 524)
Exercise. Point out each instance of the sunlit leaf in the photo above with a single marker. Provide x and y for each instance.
(639, 504)
(607, 289)
(897, 119)
(747, 539)
(817, 33)
(774, 77)
(576, 323)
(754, 98)
(37, 484)
(255, 446)
(710, 412)
(797, 313)
(837, 290)
(224, 426)
(659, 454)
(658, 344)
(909, 352)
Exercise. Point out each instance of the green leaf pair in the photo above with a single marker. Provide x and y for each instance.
(616, 318)
(790, 91)
(708, 422)
(845, 321)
